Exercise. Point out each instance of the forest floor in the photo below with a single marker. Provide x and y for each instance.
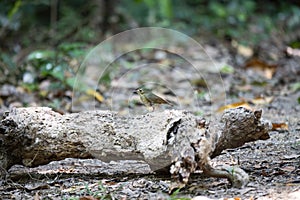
(269, 81)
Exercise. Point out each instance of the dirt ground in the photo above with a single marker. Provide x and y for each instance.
(267, 82)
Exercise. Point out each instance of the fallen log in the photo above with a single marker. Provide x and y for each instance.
(172, 139)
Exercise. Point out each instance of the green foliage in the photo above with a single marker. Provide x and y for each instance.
(56, 64)
(5, 59)
(237, 19)
(174, 196)
(234, 14)
(227, 69)
(295, 44)
(291, 16)
(295, 86)
(9, 71)
(74, 49)
(159, 13)
(44, 19)
(14, 9)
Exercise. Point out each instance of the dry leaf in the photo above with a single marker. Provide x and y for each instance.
(280, 126)
(242, 50)
(87, 198)
(292, 52)
(235, 105)
(95, 94)
(234, 198)
(200, 82)
(244, 88)
(262, 100)
(260, 66)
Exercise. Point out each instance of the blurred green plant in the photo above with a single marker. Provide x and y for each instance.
(227, 69)
(9, 71)
(158, 13)
(175, 194)
(56, 64)
(43, 20)
(236, 19)
(295, 86)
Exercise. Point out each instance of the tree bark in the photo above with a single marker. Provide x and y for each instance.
(36, 136)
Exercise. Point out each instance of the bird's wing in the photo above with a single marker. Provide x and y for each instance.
(157, 100)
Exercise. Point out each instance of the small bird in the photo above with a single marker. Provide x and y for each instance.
(150, 99)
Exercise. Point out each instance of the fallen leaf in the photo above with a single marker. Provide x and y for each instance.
(242, 50)
(292, 52)
(95, 94)
(235, 105)
(262, 100)
(244, 88)
(234, 198)
(279, 126)
(260, 66)
(199, 82)
(264, 173)
(87, 198)
(295, 86)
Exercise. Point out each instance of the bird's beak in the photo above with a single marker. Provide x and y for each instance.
(136, 91)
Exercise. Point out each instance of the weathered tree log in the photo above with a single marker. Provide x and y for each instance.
(35, 136)
(80, 167)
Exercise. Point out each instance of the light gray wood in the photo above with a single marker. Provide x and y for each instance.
(172, 139)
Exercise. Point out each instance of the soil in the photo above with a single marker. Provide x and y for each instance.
(273, 165)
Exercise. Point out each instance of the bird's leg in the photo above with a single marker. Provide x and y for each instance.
(153, 108)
